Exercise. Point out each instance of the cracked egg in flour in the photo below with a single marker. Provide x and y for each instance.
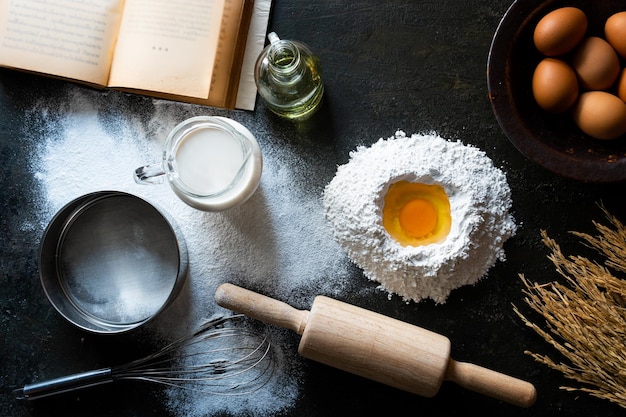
(419, 214)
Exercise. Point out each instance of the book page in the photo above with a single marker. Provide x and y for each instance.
(230, 50)
(66, 38)
(247, 92)
(167, 46)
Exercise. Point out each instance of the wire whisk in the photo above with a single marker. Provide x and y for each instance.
(215, 358)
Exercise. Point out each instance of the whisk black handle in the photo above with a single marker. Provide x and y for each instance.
(64, 384)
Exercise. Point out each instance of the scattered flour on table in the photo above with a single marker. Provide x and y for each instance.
(480, 200)
(278, 240)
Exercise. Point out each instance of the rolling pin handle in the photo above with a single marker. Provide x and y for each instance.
(491, 383)
(261, 307)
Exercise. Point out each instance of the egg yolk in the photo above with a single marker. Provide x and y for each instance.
(416, 214)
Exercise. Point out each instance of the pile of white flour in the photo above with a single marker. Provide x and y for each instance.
(479, 196)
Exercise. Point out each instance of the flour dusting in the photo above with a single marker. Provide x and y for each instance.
(479, 206)
(277, 241)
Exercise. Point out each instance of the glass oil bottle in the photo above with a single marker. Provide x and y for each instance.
(289, 78)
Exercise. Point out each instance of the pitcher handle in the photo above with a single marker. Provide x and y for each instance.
(149, 174)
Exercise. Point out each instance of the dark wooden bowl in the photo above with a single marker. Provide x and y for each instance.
(553, 142)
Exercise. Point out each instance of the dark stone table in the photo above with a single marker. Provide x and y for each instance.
(419, 66)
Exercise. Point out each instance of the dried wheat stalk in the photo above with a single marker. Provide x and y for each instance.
(586, 318)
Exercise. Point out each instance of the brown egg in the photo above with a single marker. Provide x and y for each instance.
(554, 85)
(596, 63)
(615, 32)
(559, 31)
(621, 85)
(600, 115)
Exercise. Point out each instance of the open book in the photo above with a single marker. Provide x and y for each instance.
(186, 50)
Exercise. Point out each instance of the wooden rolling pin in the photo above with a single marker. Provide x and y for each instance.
(375, 346)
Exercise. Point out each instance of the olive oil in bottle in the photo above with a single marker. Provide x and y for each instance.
(289, 79)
